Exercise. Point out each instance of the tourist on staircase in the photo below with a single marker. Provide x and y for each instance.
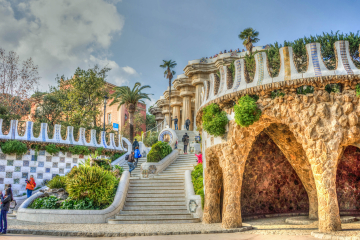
(131, 161)
(176, 122)
(5, 206)
(185, 140)
(137, 155)
(199, 158)
(187, 123)
(135, 144)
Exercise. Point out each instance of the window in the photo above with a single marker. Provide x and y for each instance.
(109, 118)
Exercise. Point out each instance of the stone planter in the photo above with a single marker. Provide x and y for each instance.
(150, 169)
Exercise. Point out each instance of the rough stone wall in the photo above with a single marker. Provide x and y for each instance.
(348, 180)
(270, 184)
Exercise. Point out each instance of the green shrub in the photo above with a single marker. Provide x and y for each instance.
(197, 179)
(116, 156)
(277, 93)
(57, 182)
(52, 149)
(151, 138)
(99, 150)
(104, 164)
(335, 88)
(14, 147)
(357, 90)
(158, 151)
(82, 204)
(214, 120)
(246, 111)
(121, 169)
(83, 150)
(45, 203)
(250, 67)
(305, 90)
(231, 68)
(93, 183)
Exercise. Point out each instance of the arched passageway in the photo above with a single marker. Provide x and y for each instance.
(270, 184)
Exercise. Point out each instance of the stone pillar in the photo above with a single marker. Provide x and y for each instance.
(176, 112)
(186, 112)
(198, 100)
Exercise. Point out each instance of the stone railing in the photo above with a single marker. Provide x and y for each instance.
(70, 140)
(150, 169)
(75, 216)
(193, 202)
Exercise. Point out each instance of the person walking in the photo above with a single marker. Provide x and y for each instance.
(185, 140)
(135, 144)
(199, 158)
(176, 123)
(30, 185)
(5, 206)
(131, 161)
(187, 123)
(137, 155)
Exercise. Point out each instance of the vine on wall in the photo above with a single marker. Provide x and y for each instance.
(250, 67)
(246, 111)
(214, 120)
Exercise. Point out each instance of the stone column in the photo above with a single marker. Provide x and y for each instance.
(176, 112)
(186, 112)
(198, 100)
(167, 118)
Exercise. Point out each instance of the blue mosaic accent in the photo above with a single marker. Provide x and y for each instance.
(103, 139)
(47, 170)
(68, 165)
(43, 131)
(82, 136)
(39, 176)
(62, 159)
(75, 160)
(48, 158)
(261, 69)
(16, 180)
(2, 168)
(10, 163)
(238, 74)
(70, 132)
(344, 58)
(33, 169)
(13, 127)
(25, 163)
(315, 60)
(1, 180)
(93, 137)
(41, 164)
(55, 165)
(18, 157)
(24, 175)
(42, 153)
(161, 137)
(57, 133)
(17, 169)
(29, 130)
(61, 170)
(33, 158)
(2, 156)
(8, 175)
(222, 79)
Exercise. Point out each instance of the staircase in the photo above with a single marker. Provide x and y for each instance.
(181, 133)
(135, 174)
(160, 199)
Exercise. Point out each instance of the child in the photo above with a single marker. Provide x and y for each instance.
(199, 157)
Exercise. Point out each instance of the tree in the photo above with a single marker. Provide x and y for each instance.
(130, 98)
(249, 35)
(169, 74)
(138, 122)
(150, 121)
(16, 82)
(84, 96)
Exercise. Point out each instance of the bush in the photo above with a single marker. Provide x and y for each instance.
(52, 149)
(116, 156)
(277, 93)
(82, 204)
(305, 90)
(104, 164)
(335, 88)
(197, 179)
(246, 111)
(117, 167)
(159, 151)
(93, 183)
(14, 147)
(57, 182)
(151, 138)
(214, 120)
(45, 203)
(79, 150)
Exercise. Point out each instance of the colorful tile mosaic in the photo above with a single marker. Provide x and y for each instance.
(28, 152)
(33, 169)
(2, 168)
(55, 165)
(68, 165)
(34, 158)
(75, 160)
(48, 158)
(8, 175)
(261, 69)
(56, 154)
(1, 180)
(25, 163)
(17, 169)
(18, 157)
(344, 58)
(41, 164)
(2, 156)
(42, 153)
(315, 60)
(61, 171)
(10, 163)
(68, 154)
(39, 176)
(24, 175)
(54, 175)
(238, 74)
(62, 159)
(47, 170)
(17, 181)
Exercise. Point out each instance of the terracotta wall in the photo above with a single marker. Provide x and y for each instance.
(270, 184)
(348, 179)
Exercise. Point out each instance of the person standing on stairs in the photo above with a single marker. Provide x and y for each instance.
(187, 123)
(137, 155)
(135, 144)
(131, 161)
(185, 140)
(176, 122)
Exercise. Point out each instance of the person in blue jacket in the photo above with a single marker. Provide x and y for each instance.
(137, 155)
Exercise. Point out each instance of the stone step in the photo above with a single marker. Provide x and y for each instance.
(154, 208)
(156, 188)
(11, 216)
(157, 199)
(128, 204)
(160, 184)
(153, 217)
(156, 191)
(151, 196)
(157, 212)
(156, 181)
(166, 176)
(117, 221)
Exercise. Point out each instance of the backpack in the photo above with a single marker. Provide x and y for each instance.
(34, 184)
(127, 157)
(183, 139)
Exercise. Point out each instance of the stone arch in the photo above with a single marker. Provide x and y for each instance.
(216, 84)
(229, 78)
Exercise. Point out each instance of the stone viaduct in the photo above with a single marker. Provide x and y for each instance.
(312, 130)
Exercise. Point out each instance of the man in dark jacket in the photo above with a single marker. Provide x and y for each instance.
(5, 206)
(185, 140)
(135, 144)
(176, 123)
(131, 161)
(187, 123)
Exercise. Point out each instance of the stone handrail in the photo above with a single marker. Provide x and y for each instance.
(193, 202)
(43, 136)
(75, 216)
(150, 169)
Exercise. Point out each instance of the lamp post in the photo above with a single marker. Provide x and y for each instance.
(105, 101)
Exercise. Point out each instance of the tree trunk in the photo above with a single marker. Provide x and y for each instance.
(131, 121)
(169, 103)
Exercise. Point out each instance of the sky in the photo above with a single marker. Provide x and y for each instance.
(132, 37)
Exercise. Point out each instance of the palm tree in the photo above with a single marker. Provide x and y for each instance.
(130, 98)
(249, 35)
(169, 74)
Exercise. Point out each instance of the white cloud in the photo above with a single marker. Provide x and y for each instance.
(63, 35)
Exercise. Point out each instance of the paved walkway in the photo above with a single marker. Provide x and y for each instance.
(222, 236)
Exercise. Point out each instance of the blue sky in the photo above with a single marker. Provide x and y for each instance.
(134, 36)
